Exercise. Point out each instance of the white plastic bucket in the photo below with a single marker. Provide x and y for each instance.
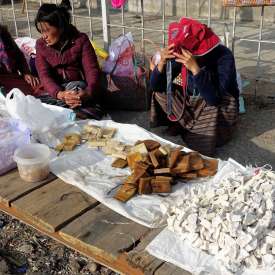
(33, 162)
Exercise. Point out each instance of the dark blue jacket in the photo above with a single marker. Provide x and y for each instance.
(216, 78)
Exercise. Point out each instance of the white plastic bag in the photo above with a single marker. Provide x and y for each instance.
(13, 134)
(37, 116)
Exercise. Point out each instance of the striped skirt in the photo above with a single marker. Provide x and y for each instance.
(204, 127)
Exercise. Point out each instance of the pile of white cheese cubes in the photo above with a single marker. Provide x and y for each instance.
(235, 222)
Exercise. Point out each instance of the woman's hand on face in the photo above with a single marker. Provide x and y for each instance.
(32, 80)
(187, 59)
(166, 53)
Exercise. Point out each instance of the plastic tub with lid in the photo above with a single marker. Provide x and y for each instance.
(33, 162)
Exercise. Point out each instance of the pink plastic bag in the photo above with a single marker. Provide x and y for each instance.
(117, 4)
(121, 57)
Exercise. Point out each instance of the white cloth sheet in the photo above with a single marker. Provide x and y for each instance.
(91, 171)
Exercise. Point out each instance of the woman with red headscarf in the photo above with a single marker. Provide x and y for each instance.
(195, 85)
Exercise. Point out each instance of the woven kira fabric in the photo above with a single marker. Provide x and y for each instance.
(204, 127)
(248, 3)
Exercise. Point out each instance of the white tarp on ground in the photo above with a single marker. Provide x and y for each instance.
(91, 171)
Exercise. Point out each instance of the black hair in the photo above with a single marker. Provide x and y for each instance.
(4, 34)
(55, 15)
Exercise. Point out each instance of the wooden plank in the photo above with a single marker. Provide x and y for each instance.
(105, 229)
(140, 258)
(55, 204)
(13, 187)
(170, 269)
(116, 264)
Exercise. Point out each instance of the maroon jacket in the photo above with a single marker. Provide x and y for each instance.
(76, 61)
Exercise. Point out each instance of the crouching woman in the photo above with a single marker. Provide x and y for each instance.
(195, 87)
(66, 62)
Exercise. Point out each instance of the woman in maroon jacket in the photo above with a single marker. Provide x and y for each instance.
(66, 62)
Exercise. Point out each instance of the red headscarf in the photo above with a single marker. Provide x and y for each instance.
(193, 36)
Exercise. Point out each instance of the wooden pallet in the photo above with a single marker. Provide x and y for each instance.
(77, 220)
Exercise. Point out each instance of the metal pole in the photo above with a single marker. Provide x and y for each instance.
(90, 20)
(209, 13)
(142, 24)
(14, 18)
(73, 12)
(28, 18)
(105, 23)
(259, 48)
(185, 8)
(122, 19)
(163, 22)
(234, 29)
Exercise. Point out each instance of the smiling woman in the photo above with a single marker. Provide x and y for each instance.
(66, 61)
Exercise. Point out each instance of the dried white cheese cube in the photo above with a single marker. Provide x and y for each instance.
(213, 248)
(243, 239)
(266, 248)
(198, 243)
(205, 245)
(269, 204)
(251, 262)
(249, 219)
(268, 260)
(217, 220)
(252, 245)
(243, 254)
(216, 233)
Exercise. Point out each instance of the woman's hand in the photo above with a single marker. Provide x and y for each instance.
(73, 98)
(187, 59)
(32, 80)
(166, 53)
